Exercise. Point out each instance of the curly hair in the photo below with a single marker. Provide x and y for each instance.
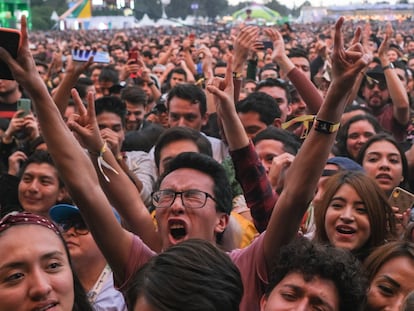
(329, 263)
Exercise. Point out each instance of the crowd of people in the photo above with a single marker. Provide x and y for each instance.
(202, 169)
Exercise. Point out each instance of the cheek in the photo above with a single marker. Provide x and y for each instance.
(370, 168)
(329, 221)
(64, 286)
(365, 225)
(374, 299)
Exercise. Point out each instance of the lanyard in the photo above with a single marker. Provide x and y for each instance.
(94, 292)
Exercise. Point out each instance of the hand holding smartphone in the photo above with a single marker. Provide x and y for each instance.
(84, 55)
(10, 41)
(402, 199)
(25, 105)
(133, 56)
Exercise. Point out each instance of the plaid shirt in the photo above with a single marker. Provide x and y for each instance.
(259, 195)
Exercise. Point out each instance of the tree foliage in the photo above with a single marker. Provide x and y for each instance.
(153, 8)
(209, 8)
(42, 11)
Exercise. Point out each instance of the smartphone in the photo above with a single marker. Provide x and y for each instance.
(267, 45)
(25, 105)
(84, 55)
(133, 55)
(402, 199)
(9, 40)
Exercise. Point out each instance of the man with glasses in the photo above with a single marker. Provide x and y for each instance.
(90, 265)
(384, 93)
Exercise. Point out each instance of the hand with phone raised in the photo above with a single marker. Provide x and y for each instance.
(9, 40)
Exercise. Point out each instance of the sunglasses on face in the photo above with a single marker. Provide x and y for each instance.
(79, 226)
(371, 83)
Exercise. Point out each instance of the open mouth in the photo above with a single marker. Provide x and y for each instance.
(178, 230)
(345, 230)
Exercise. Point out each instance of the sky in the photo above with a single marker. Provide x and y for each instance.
(291, 3)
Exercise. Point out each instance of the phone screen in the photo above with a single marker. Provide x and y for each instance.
(9, 40)
(80, 55)
(24, 104)
(133, 55)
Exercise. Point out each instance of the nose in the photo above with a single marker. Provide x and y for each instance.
(302, 104)
(384, 164)
(71, 231)
(347, 215)
(302, 305)
(177, 206)
(131, 117)
(34, 186)
(40, 286)
(265, 165)
(182, 122)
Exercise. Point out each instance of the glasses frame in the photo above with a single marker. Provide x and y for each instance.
(180, 193)
(66, 225)
(371, 83)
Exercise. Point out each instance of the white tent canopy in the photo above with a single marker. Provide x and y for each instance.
(146, 21)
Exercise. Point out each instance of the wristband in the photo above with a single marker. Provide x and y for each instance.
(389, 66)
(102, 162)
(325, 127)
(237, 75)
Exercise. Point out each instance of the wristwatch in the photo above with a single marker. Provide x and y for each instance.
(325, 126)
(389, 66)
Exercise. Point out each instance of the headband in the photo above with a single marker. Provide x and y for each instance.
(25, 218)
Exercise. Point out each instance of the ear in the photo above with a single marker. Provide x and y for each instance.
(205, 118)
(289, 109)
(277, 123)
(222, 222)
(63, 193)
(263, 302)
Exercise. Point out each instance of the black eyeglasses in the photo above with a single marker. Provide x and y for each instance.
(189, 198)
(371, 83)
(78, 225)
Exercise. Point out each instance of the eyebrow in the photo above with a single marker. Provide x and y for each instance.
(17, 264)
(391, 280)
(344, 200)
(379, 153)
(313, 299)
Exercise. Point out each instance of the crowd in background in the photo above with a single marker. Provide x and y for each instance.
(288, 147)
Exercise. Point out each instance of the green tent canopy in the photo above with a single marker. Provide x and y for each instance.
(257, 12)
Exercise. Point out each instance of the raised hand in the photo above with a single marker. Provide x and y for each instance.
(223, 89)
(23, 67)
(31, 126)
(347, 64)
(84, 124)
(15, 161)
(242, 44)
(275, 36)
(383, 48)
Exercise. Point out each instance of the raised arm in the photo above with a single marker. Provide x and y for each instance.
(305, 87)
(259, 195)
(71, 161)
(398, 93)
(118, 187)
(73, 71)
(307, 167)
